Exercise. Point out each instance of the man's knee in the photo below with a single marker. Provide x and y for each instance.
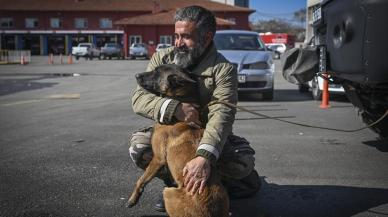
(140, 149)
(236, 167)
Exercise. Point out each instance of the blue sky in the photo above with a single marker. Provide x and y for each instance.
(274, 9)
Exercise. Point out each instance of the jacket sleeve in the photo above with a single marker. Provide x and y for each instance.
(221, 117)
(149, 105)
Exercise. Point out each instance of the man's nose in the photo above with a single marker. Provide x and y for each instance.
(178, 42)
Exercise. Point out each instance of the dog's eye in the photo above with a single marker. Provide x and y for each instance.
(173, 81)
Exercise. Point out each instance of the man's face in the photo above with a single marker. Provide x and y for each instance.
(188, 46)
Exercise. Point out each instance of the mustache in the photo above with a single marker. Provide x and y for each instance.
(181, 49)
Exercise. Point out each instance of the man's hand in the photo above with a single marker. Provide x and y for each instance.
(188, 113)
(196, 173)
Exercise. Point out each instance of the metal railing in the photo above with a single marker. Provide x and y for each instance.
(15, 56)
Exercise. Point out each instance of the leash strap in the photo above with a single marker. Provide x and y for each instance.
(295, 123)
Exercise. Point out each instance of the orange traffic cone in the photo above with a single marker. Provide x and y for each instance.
(70, 59)
(50, 59)
(60, 59)
(325, 93)
(22, 60)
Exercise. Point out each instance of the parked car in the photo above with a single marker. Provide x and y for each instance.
(112, 50)
(138, 50)
(254, 63)
(87, 50)
(277, 48)
(316, 87)
(162, 46)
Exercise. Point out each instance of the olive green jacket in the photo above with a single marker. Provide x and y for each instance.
(217, 81)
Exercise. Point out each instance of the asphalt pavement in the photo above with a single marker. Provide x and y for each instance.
(64, 153)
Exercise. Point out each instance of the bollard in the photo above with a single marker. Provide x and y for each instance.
(22, 60)
(50, 59)
(325, 93)
(60, 59)
(69, 59)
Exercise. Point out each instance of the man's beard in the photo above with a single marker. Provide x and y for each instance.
(186, 57)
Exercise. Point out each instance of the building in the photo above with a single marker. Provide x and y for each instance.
(311, 6)
(54, 26)
(241, 3)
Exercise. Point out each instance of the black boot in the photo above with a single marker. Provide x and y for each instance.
(243, 188)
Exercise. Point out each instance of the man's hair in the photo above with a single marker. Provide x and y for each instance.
(203, 18)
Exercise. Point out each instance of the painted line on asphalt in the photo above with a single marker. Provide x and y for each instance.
(49, 97)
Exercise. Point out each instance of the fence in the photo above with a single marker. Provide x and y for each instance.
(15, 56)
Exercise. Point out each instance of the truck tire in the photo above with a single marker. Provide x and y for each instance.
(303, 88)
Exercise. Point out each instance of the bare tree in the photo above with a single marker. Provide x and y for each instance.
(300, 16)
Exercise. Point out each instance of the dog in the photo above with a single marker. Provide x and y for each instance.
(175, 145)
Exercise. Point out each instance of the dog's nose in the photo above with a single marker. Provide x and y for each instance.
(139, 77)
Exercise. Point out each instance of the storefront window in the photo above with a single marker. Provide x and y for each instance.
(55, 22)
(80, 23)
(6, 22)
(134, 39)
(31, 22)
(165, 39)
(105, 23)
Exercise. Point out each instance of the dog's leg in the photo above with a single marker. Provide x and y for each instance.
(147, 176)
(174, 202)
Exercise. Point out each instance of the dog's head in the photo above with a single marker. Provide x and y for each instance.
(168, 80)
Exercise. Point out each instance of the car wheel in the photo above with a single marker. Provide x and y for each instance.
(77, 57)
(277, 55)
(316, 92)
(303, 88)
(91, 56)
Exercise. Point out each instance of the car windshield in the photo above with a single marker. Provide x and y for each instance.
(138, 45)
(110, 45)
(274, 47)
(84, 45)
(233, 41)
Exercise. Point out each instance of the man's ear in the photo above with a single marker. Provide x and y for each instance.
(209, 38)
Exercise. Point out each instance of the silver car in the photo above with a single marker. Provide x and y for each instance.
(253, 61)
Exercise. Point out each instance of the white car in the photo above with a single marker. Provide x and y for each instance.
(277, 48)
(254, 63)
(316, 87)
(162, 46)
(138, 50)
(87, 50)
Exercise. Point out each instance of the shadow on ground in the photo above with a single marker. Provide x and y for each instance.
(311, 200)
(15, 85)
(379, 144)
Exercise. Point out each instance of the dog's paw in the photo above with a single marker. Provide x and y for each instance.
(130, 203)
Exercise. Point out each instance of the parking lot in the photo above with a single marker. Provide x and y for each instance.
(64, 152)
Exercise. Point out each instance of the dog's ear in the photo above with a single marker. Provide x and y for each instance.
(179, 80)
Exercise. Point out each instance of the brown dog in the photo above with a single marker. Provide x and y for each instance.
(175, 145)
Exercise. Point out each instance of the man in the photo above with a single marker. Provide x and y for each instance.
(217, 80)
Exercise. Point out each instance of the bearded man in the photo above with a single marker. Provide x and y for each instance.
(194, 50)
